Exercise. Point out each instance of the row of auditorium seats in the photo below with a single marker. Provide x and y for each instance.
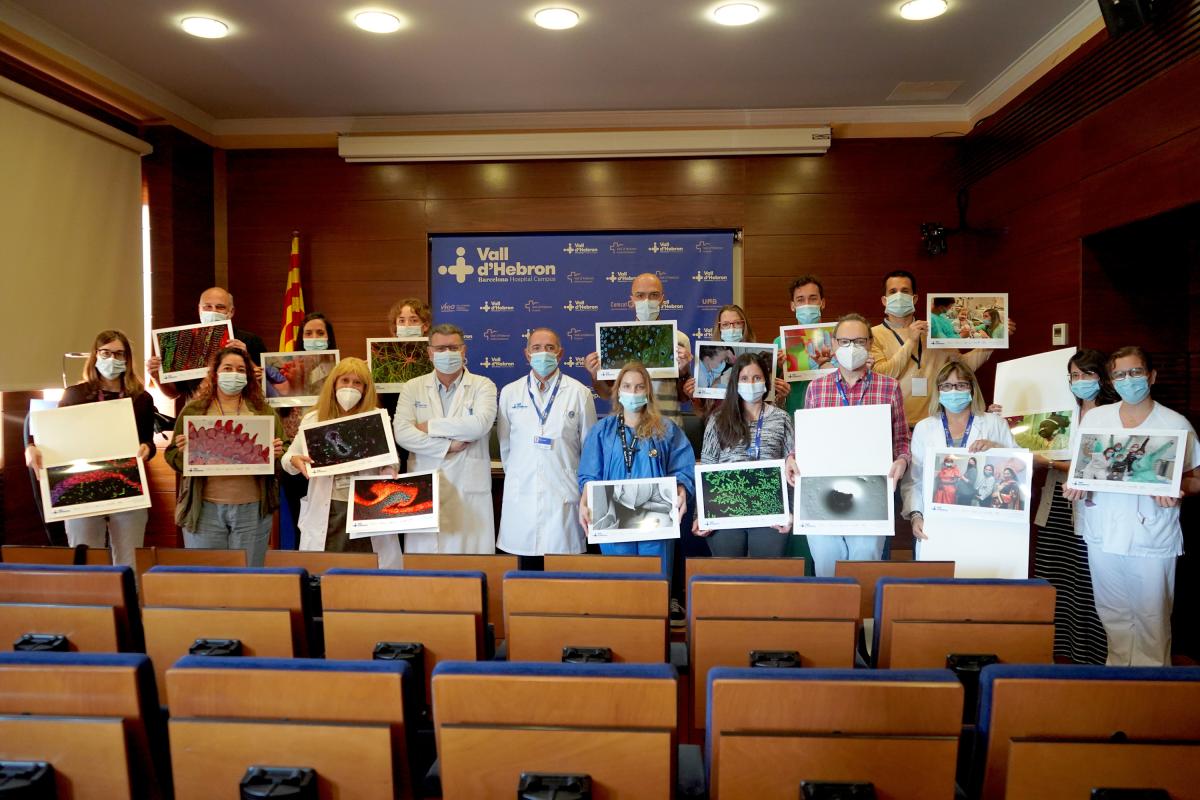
(339, 727)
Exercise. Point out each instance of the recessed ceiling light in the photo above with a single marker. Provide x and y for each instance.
(923, 9)
(736, 14)
(377, 21)
(204, 27)
(556, 19)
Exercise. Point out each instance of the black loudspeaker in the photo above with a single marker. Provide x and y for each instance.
(1123, 16)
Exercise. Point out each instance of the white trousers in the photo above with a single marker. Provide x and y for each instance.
(828, 550)
(1134, 597)
(127, 529)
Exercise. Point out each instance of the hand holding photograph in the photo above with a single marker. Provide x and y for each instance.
(348, 444)
(185, 350)
(967, 321)
(636, 510)
(1146, 462)
(229, 446)
(393, 362)
(292, 380)
(651, 343)
(713, 365)
(749, 494)
(404, 504)
(88, 488)
(807, 351)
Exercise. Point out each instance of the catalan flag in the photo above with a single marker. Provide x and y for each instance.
(293, 301)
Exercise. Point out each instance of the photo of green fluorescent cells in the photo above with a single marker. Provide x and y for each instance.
(750, 492)
(653, 345)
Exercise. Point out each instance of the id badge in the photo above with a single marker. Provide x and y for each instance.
(543, 442)
(920, 387)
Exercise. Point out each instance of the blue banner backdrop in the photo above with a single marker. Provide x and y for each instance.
(499, 287)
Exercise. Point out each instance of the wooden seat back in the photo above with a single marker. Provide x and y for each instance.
(319, 562)
(67, 585)
(595, 562)
(778, 567)
(868, 573)
(494, 566)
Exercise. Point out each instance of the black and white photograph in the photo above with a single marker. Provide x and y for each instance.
(1146, 462)
(348, 444)
(844, 505)
(635, 510)
(713, 365)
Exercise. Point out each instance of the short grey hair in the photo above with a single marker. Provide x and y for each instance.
(447, 329)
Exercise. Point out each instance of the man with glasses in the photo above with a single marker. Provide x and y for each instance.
(854, 384)
(542, 423)
(444, 420)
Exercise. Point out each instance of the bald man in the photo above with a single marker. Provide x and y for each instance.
(216, 305)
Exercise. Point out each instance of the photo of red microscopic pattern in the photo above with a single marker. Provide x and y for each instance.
(95, 481)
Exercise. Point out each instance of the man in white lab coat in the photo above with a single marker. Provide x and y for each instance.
(444, 419)
(542, 423)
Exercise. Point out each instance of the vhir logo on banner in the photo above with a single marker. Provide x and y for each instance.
(704, 246)
(579, 277)
(622, 249)
(495, 268)
(493, 335)
(664, 247)
(535, 306)
(578, 335)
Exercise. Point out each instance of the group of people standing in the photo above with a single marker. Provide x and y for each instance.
(552, 446)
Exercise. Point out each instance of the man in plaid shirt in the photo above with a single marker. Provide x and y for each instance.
(855, 384)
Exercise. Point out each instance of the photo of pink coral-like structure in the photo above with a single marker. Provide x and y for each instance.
(225, 442)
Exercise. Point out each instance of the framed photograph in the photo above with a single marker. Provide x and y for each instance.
(636, 510)
(844, 505)
(991, 484)
(90, 487)
(1133, 462)
(295, 379)
(405, 504)
(1045, 432)
(805, 347)
(394, 362)
(652, 343)
(750, 494)
(348, 444)
(229, 445)
(958, 320)
(185, 350)
(714, 364)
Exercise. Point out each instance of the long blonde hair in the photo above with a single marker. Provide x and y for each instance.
(651, 425)
(965, 373)
(327, 404)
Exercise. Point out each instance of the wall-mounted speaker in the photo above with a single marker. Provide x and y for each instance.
(1122, 16)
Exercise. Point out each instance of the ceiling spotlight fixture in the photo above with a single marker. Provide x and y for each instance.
(923, 9)
(556, 19)
(377, 21)
(736, 14)
(204, 27)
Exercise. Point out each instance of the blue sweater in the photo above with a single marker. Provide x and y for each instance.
(603, 460)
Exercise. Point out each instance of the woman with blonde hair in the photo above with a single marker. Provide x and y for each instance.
(636, 441)
(324, 510)
(109, 374)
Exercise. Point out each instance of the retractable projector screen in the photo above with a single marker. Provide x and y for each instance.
(70, 235)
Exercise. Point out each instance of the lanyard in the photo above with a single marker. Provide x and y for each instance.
(543, 415)
(236, 409)
(628, 450)
(966, 433)
(842, 389)
(900, 341)
(756, 453)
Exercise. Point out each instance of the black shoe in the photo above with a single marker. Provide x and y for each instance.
(677, 614)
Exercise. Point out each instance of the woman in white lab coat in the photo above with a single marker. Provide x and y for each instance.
(443, 420)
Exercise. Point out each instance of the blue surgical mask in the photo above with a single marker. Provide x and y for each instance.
(231, 382)
(955, 402)
(808, 315)
(900, 304)
(646, 310)
(316, 344)
(211, 317)
(631, 401)
(447, 362)
(1133, 390)
(408, 331)
(751, 392)
(110, 368)
(731, 334)
(1085, 389)
(543, 363)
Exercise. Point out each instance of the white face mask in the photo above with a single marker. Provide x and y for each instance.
(851, 356)
(110, 368)
(210, 317)
(751, 392)
(646, 310)
(348, 397)
(407, 331)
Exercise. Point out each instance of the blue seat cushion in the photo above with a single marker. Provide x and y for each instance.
(541, 669)
(292, 664)
(518, 574)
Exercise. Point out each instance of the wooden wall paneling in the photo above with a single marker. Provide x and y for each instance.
(584, 213)
(305, 175)
(898, 166)
(862, 214)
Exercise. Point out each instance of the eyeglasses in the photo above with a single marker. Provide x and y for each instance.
(104, 353)
(841, 342)
(960, 386)
(1076, 375)
(1136, 372)
(728, 326)
(445, 348)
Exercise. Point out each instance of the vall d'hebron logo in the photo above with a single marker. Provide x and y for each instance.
(536, 306)
(669, 306)
(495, 362)
(580, 249)
(580, 305)
(619, 277)
(579, 277)
(578, 335)
(573, 361)
(494, 268)
(493, 335)
(664, 247)
(494, 305)
(708, 276)
(455, 308)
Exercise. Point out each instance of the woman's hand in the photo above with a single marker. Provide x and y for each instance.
(33, 457)
(791, 471)
(1074, 494)
(585, 513)
(697, 531)
(277, 446)
(300, 464)
(918, 526)
(689, 387)
(996, 408)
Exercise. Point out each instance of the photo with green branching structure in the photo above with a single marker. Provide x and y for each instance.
(746, 492)
(653, 345)
(394, 362)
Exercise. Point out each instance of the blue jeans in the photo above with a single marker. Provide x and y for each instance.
(663, 548)
(232, 527)
(827, 550)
